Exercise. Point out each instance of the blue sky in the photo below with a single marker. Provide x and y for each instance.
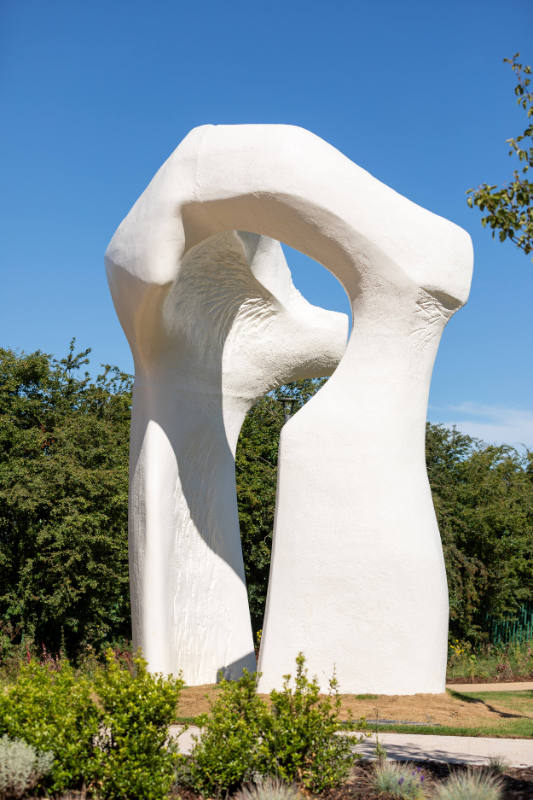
(96, 95)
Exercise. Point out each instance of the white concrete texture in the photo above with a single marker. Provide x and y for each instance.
(357, 579)
(223, 329)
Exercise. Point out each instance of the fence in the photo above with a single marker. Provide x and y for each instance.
(516, 629)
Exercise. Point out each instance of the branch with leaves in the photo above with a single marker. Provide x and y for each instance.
(509, 209)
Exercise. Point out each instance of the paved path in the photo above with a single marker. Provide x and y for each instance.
(522, 686)
(451, 749)
(422, 747)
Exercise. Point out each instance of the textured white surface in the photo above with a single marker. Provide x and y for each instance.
(226, 329)
(357, 578)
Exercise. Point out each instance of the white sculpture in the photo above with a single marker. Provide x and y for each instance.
(229, 327)
(357, 577)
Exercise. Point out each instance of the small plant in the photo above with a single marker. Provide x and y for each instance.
(381, 753)
(108, 734)
(294, 740)
(400, 780)
(134, 758)
(268, 789)
(51, 708)
(299, 740)
(497, 765)
(227, 754)
(21, 767)
(470, 785)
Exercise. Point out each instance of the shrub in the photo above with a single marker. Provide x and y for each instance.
(51, 709)
(295, 739)
(300, 741)
(228, 752)
(109, 733)
(21, 767)
(135, 758)
(268, 789)
(400, 780)
(470, 785)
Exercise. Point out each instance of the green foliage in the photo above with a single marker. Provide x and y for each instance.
(470, 785)
(63, 502)
(509, 209)
(508, 662)
(63, 508)
(293, 739)
(268, 789)
(109, 733)
(299, 737)
(483, 499)
(229, 751)
(52, 710)
(21, 767)
(256, 465)
(400, 780)
(134, 758)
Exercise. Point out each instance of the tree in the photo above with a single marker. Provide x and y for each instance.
(483, 497)
(64, 498)
(256, 466)
(509, 209)
(63, 501)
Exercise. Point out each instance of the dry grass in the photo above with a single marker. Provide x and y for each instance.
(487, 709)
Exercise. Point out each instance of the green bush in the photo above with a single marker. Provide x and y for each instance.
(109, 733)
(51, 709)
(135, 759)
(21, 767)
(293, 739)
(300, 741)
(228, 752)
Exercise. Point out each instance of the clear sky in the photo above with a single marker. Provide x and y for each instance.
(95, 95)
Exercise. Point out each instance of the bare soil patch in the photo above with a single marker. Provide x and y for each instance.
(428, 709)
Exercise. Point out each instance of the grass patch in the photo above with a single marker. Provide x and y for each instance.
(519, 729)
(490, 663)
(495, 714)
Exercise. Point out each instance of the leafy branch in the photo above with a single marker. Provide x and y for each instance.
(509, 209)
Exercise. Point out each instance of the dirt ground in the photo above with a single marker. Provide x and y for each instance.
(440, 709)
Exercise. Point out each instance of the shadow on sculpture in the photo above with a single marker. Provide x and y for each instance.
(357, 576)
(227, 330)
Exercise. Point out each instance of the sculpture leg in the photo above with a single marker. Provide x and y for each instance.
(189, 601)
(357, 579)
(223, 339)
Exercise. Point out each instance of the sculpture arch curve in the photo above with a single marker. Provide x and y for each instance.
(352, 462)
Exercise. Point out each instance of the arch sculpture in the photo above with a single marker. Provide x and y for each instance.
(357, 579)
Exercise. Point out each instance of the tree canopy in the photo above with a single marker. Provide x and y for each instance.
(509, 208)
(63, 501)
(483, 497)
(64, 497)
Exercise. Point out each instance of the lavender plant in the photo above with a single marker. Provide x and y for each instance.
(400, 780)
(21, 767)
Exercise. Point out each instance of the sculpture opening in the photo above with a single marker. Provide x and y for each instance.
(357, 576)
